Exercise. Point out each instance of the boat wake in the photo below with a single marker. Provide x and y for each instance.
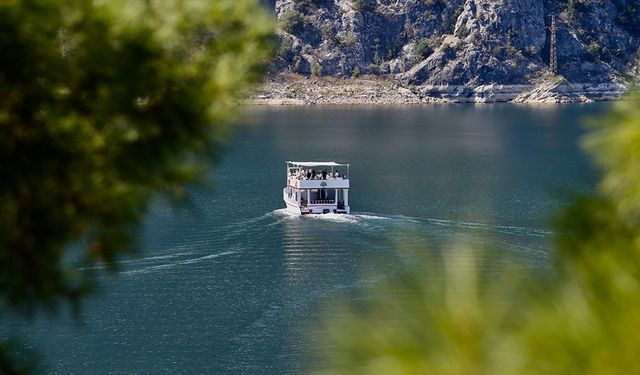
(248, 234)
(505, 229)
(352, 218)
(369, 218)
(174, 264)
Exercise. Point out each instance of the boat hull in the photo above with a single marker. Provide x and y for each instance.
(329, 206)
(294, 209)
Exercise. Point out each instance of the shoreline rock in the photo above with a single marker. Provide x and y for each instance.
(296, 90)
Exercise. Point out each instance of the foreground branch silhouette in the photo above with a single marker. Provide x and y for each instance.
(102, 105)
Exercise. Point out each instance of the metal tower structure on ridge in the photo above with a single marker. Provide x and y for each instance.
(553, 54)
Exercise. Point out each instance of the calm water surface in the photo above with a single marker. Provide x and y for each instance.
(231, 286)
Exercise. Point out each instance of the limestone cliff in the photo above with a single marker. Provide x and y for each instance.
(458, 42)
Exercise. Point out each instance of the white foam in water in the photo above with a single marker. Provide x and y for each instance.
(356, 217)
(338, 218)
(507, 229)
(139, 260)
(363, 217)
(283, 212)
(153, 258)
(370, 216)
(177, 263)
(282, 215)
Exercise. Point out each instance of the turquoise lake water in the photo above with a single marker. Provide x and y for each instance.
(233, 284)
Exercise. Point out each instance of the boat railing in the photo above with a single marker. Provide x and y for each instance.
(318, 178)
(323, 201)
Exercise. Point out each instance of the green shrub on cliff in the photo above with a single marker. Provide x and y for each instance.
(355, 72)
(292, 21)
(530, 51)
(594, 50)
(363, 5)
(316, 69)
(423, 49)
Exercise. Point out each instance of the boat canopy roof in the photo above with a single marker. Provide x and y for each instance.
(316, 164)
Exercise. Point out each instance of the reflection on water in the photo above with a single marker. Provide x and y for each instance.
(232, 288)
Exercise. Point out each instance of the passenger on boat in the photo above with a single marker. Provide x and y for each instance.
(309, 174)
(313, 174)
(324, 174)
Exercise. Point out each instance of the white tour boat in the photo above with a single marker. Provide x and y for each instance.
(317, 187)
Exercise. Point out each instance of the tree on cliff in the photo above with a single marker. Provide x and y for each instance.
(450, 315)
(102, 105)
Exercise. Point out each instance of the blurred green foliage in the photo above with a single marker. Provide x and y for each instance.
(465, 312)
(103, 104)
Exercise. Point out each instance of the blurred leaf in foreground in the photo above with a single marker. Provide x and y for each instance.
(443, 317)
(102, 104)
(450, 313)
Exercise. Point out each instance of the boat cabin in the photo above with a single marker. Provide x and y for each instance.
(317, 187)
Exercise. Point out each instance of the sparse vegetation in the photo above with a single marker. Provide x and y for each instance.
(462, 31)
(429, 16)
(499, 51)
(363, 5)
(594, 50)
(408, 32)
(504, 51)
(285, 48)
(422, 50)
(392, 51)
(349, 40)
(316, 69)
(376, 48)
(629, 17)
(374, 69)
(355, 72)
(297, 64)
(425, 47)
(448, 23)
(292, 21)
(449, 49)
(306, 6)
(530, 51)
(327, 31)
(574, 9)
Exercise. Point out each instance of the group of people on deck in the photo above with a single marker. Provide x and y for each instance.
(312, 174)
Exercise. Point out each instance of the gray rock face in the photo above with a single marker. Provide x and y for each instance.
(458, 42)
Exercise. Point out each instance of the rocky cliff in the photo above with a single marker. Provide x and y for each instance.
(459, 43)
